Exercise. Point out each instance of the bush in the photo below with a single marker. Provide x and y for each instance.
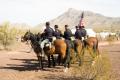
(7, 34)
(99, 71)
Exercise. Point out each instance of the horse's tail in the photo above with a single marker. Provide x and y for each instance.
(95, 46)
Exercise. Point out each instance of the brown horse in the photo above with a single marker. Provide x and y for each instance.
(91, 44)
(59, 47)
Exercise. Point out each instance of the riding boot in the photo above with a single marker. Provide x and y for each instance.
(72, 44)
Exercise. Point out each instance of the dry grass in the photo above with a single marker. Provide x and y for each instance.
(111, 39)
(101, 70)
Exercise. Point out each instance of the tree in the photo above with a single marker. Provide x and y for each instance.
(7, 34)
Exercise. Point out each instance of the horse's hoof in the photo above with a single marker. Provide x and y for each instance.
(65, 70)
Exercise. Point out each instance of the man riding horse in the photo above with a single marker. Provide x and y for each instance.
(83, 41)
(48, 34)
(67, 36)
(57, 32)
(82, 27)
(78, 34)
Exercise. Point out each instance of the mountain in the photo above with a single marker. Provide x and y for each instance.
(92, 20)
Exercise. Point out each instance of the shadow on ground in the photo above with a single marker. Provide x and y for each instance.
(27, 65)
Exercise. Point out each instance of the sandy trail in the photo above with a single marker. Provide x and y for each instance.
(19, 65)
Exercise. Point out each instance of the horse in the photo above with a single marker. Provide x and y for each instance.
(35, 45)
(59, 47)
(91, 44)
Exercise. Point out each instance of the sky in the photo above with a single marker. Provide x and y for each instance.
(33, 12)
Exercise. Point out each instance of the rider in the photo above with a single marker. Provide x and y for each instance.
(67, 36)
(67, 33)
(78, 34)
(57, 32)
(48, 33)
(83, 32)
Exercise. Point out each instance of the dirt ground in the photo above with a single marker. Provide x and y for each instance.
(20, 65)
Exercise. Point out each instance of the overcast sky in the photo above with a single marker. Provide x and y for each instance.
(34, 12)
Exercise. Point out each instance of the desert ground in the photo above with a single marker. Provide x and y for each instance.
(18, 64)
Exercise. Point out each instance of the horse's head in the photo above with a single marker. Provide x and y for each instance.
(26, 37)
(38, 36)
(43, 36)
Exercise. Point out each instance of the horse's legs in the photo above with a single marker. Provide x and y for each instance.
(59, 59)
(49, 63)
(67, 59)
(40, 61)
(98, 53)
(95, 48)
(91, 51)
(92, 54)
(80, 57)
(69, 64)
(53, 61)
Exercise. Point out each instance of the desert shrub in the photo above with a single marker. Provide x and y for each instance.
(7, 34)
(111, 38)
(99, 71)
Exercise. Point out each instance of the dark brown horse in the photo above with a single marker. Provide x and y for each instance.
(91, 44)
(35, 45)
